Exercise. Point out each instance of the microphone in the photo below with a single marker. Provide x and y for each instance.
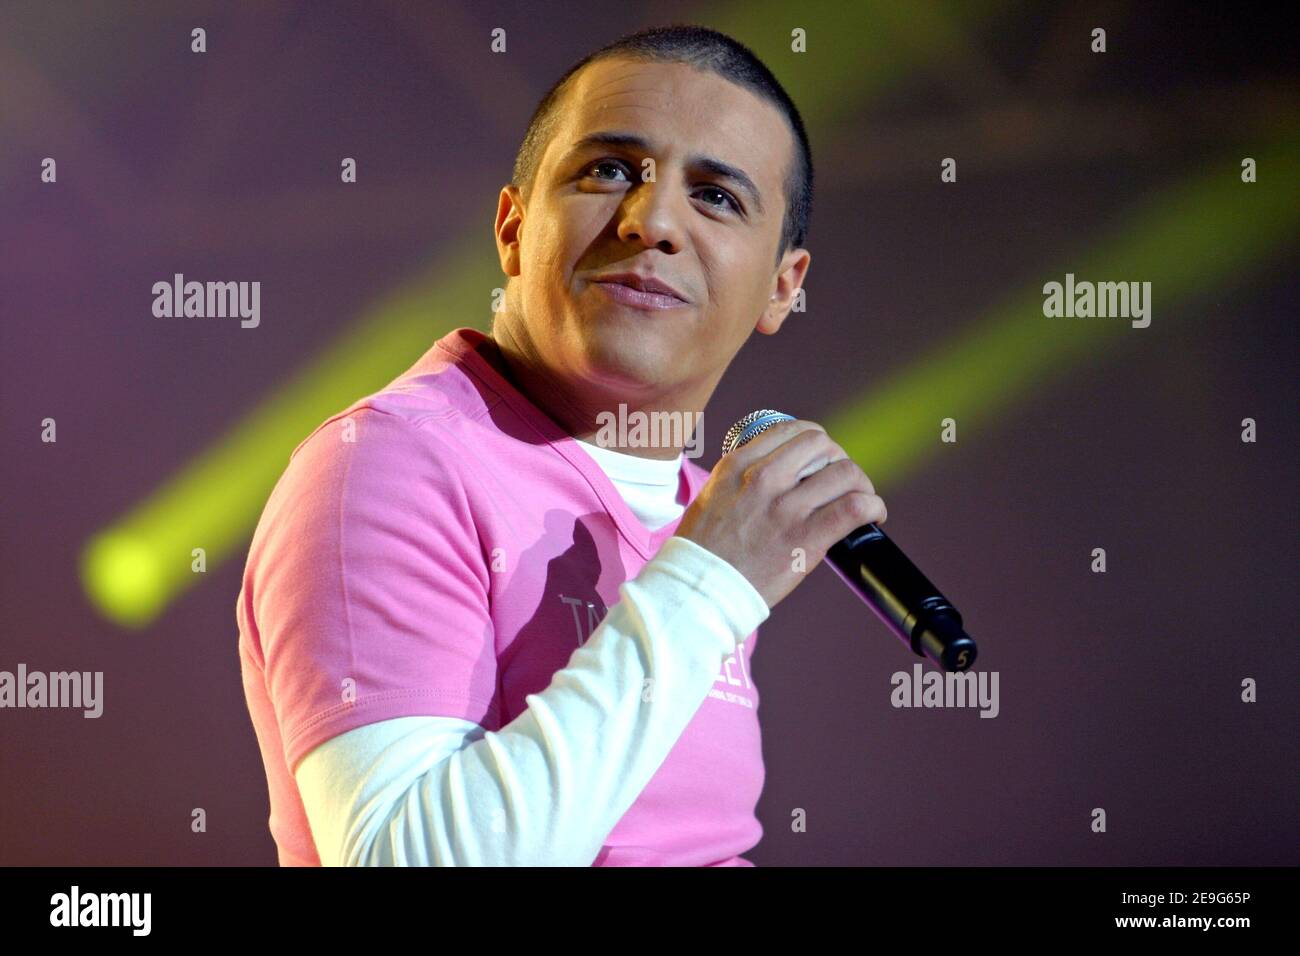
(879, 573)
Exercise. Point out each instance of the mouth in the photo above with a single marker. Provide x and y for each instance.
(640, 292)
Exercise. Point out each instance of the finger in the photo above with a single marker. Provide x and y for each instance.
(774, 474)
(804, 456)
(833, 454)
(842, 516)
(827, 484)
(762, 444)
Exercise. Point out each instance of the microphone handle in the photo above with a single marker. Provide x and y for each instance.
(901, 596)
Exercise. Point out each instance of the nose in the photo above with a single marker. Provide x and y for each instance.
(651, 215)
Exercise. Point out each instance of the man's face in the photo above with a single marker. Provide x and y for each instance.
(709, 235)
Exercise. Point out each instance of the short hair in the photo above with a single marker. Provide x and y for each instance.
(704, 49)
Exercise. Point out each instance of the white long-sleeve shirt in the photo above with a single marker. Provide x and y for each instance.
(547, 788)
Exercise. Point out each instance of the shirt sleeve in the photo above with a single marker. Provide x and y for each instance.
(370, 586)
(546, 789)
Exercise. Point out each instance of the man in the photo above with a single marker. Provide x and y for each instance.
(471, 631)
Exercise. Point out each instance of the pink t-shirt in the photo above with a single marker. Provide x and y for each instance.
(482, 546)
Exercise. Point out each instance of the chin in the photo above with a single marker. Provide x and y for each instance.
(616, 356)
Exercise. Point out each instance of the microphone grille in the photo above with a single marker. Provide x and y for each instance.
(752, 424)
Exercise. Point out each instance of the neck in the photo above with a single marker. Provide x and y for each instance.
(594, 416)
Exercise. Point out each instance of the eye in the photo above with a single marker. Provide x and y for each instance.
(608, 163)
(724, 194)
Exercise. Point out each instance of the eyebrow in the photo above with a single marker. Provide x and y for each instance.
(709, 164)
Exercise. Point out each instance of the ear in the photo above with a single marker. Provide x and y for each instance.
(509, 229)
(789, 279)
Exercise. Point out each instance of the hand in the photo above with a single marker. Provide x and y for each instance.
(789, 487)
